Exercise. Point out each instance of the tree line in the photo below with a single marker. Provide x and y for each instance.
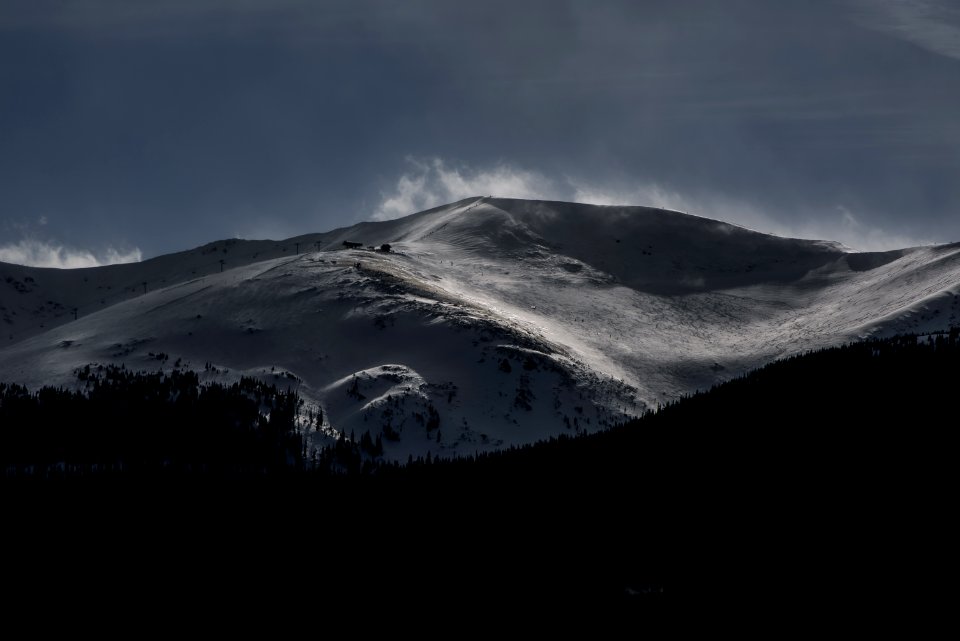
(121, 421)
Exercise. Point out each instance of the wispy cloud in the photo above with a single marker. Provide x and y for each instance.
(931, 24)
(37, 253)
(432, 182)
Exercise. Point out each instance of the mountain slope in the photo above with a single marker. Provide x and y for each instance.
(35, 299)
(493, 321)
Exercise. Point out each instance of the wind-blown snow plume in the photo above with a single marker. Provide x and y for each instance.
(842, 224)
(37, 253)
(432, 182)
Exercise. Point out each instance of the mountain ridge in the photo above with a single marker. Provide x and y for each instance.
(506, 320)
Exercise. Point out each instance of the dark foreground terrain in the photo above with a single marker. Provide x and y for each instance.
(825, 473)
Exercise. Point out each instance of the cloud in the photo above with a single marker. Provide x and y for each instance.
(930, 24)
(36, 253)
(429, 183)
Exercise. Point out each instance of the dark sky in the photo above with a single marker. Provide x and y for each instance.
(134, 126)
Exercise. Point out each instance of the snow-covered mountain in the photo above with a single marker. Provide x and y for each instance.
(491, 321)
